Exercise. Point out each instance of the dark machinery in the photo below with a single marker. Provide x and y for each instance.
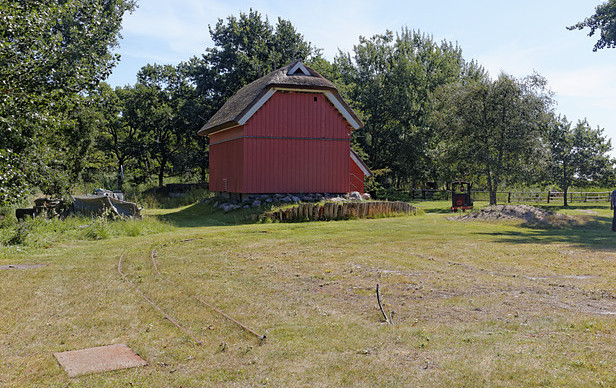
(461, 196)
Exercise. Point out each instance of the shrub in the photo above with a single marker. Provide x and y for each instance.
(21, 232)
(98, 230)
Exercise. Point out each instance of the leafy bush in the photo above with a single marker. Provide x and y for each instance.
(20, 234)
(13, 186)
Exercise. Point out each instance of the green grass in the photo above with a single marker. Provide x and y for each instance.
(476, 303)
(33, 235)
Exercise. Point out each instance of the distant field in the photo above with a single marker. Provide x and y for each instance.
(476, 303)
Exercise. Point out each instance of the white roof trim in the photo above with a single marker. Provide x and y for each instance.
(299, 65)
(256, 106)
(347, 115)
(360, 165)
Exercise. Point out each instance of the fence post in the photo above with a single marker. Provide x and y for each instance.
(548, 196)
(509, 197)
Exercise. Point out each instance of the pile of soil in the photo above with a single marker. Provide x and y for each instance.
(529, 214)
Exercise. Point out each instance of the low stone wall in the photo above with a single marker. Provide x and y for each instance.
(339, 211)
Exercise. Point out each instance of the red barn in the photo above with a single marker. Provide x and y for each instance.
(287, 132)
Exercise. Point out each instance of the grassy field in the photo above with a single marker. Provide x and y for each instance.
(476, 303)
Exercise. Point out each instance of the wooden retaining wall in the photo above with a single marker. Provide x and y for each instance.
(339, 211)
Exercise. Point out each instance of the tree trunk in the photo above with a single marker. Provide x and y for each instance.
(565, 184)
(492, 186)
(161, 172)
(493, 197)
(120, 174)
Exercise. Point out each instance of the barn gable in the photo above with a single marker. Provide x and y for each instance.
(287, 132)
(249, 99)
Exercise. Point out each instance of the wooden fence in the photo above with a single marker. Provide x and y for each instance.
(339, 211)
(513, 196)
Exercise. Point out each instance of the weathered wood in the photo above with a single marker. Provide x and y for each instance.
(339, 211)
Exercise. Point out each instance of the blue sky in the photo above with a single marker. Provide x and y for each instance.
(517, 37)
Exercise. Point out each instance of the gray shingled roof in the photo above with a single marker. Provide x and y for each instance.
(240, 103)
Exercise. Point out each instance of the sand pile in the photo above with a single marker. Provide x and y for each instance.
(527, 213)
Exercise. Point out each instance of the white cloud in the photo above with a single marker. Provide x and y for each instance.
(589, 82)
(512, 59)
(587, 92)
(167, 30)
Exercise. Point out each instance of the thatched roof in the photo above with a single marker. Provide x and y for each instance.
(239, 105)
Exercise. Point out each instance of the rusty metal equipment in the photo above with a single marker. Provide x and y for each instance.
(461, 196)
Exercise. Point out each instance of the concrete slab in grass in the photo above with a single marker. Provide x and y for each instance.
(99, 359)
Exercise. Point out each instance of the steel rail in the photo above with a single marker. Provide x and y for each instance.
(167, 316)
(153, 257)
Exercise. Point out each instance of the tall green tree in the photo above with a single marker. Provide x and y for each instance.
(50, 52)
(245, 48)
(165, 113)
(119, 135)
(393, 78)
(496, 126)
(248, 47)
(578, 154)
(194, 158)
(190, 116)
(604, 21)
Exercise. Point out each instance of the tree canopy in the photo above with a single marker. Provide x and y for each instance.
(392, 79)
(168, 104)
(577, 154)
(495, 126)
(604, 21)
(247, 48)
(50, 53)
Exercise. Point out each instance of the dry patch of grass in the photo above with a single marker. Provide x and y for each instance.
(476, 304)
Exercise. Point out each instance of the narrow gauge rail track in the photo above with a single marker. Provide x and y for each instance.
(195, 297)
(150, 301)
(191, 295)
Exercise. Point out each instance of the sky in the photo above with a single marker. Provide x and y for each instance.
(516, 37)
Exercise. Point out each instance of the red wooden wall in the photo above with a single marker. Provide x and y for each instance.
(357, 177)
(296, 142)
(227, 160)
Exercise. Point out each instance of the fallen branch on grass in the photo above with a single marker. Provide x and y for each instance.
(378, 298)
